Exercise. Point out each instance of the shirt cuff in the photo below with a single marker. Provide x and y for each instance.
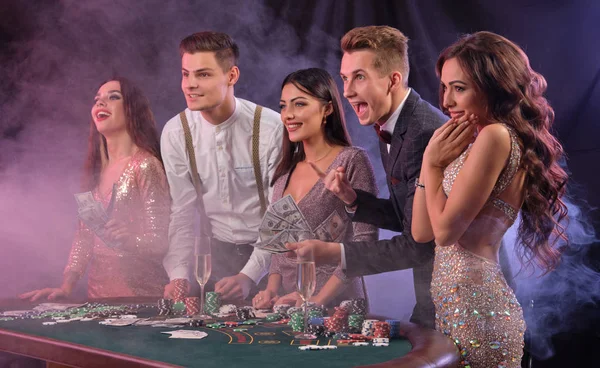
(180, 272)
(343, 256)
(253, 273)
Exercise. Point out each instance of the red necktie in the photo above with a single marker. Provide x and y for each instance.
(384, 136)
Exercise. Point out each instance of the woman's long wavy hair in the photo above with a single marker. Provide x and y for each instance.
(319, 84)
(140, 126)
(514, 96)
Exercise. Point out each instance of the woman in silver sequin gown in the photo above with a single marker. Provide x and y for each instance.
(493, 158)
(316, 133)
(124, 156)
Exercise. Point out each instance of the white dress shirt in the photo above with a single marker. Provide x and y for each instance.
(230, 195)
(388, 126)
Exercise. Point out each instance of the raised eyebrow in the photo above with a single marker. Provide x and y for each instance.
(456, 82)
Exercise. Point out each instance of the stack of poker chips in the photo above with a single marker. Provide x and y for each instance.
(339, 321)
(165, 307)
(180, 292)
(192, 306)
(227, 309)
(281, 309)
(316, 330)
(355, 323)
(358, 306)
(394, 327)
(212, 302)
(297, 321)
(245, 313)
(274, 317)
(382, 329)
(368, 327)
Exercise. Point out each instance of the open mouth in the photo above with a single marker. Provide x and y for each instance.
(102, 115)
(293, 126)
(360, 108)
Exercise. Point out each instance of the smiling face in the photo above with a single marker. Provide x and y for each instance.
(108, 111)
(460, 93)
(203, 81)
(302, 114)
(365, 88)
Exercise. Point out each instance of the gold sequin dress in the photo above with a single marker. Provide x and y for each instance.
(143, 201)
(473, 303)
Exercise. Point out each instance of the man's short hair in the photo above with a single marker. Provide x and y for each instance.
(389, 45)
(225, 49)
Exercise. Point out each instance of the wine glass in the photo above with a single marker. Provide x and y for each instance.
(203, 265)
(306, 281)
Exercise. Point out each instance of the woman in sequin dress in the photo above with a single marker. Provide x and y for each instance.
(473, 185)
(124, 152)
(316, 135)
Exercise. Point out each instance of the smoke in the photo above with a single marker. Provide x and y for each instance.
(558, 301)
(57, 58)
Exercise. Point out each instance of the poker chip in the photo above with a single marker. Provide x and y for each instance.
(380, 344)
(212, 303)
(360, 343)
(316, 347)
(358, 306)
(245, 313)
(227, 309)
(297, 322)
(240, 329)
(179, 307)
(181, 288)
(339, 321)
(394, 327)
(380, 340)
(316, 330)
(196, 323)
(273, 317)
(281, 308)
(382, 329)
(165, 307)
(355, 321)
(368, 328)
(318, 321)
(231, 324)
(192, 306)
(293, 310)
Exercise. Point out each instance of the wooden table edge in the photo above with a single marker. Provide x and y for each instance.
(70, 354)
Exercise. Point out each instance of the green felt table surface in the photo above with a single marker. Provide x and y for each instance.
(262, 345)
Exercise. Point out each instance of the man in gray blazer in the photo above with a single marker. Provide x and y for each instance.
(375, 71)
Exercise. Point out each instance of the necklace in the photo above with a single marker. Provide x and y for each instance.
(322, 157)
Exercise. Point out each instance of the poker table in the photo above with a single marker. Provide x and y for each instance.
(90, 344)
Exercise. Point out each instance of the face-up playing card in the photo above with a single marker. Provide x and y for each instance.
(186, 334)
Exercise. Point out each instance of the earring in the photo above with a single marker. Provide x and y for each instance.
(324, 120)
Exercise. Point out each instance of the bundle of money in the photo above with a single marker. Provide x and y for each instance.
(94, 216)
(282, 223)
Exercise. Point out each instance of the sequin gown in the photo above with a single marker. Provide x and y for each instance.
(143, 201)
(473, 303)
(318, 204)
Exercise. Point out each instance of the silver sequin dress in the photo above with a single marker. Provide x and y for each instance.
(473, 303)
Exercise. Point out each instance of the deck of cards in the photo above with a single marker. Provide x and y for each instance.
(283, 223)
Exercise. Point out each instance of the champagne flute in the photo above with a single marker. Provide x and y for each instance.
(203, 265)
(306, 282)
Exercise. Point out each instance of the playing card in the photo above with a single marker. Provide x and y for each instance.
(186, 334)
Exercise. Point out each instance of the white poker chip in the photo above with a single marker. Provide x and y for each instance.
(360, 343)
(329, 347)
(381, 339)
(48, 323)
(380, 344)
(227, 308)
(127, 316)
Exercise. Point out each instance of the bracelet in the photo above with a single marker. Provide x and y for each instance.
(419, 185)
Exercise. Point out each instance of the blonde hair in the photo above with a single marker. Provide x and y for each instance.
(389, 45)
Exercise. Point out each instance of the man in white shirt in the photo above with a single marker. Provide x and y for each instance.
(221, 128)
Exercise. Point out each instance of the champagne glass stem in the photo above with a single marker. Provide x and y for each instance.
(305, 317)
(202, 299)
